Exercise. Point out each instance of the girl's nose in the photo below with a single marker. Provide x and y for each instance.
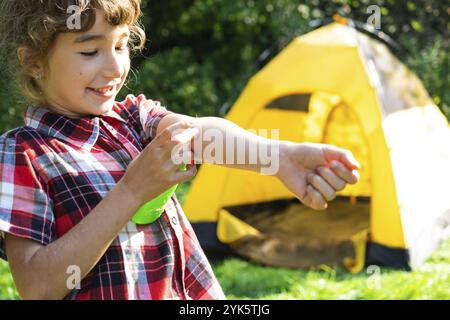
(114, 65)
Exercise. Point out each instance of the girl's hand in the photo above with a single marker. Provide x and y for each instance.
(154, 170)
(315, 172)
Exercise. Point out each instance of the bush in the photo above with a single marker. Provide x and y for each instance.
(201, 53)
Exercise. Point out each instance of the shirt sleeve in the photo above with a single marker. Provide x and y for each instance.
(143, 115)
(26, 210)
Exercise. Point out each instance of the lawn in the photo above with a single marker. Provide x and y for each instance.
(7, 288)
(241, 279)
(244, 280)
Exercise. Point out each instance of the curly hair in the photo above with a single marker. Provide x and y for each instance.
(35, 25)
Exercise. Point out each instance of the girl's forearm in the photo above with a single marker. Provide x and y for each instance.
(252, 152)
(82, 246)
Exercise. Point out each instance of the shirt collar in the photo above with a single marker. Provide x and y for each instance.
(81, 132)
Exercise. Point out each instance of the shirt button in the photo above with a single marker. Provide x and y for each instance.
(174, 220)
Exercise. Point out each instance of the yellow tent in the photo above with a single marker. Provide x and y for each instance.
(335, 85)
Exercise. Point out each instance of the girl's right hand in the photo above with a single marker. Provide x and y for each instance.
(154, 170)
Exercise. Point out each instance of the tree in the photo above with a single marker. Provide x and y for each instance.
(201, 53)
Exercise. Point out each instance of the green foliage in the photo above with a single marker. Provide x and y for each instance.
(200, 54)
(10, 106)
(432, 66)
(7, 288)
(190, 86)
(225, 38)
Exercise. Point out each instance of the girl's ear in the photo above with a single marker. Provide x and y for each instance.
(22, 54)
(35, 69)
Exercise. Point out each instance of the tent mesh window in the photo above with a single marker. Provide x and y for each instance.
(295, 102)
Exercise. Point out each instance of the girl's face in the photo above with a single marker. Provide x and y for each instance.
(87, 70)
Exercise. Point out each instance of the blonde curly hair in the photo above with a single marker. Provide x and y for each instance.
(35, 25)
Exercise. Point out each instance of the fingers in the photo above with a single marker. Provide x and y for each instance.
(344, 156)
(171, 131)
(349, 160)
(176, 140)
(331, 178)
(314, 199)
(184, 135)
(184, 157)
(183, 176)
(322, 186)
(349, 176)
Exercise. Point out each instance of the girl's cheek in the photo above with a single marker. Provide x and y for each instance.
(86, 70)
(126, 63)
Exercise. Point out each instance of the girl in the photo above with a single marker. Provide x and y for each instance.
(75, 173)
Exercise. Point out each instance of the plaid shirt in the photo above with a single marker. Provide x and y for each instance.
(56, 169)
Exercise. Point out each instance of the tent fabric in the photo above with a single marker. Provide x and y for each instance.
(288, 234)
(335, 85)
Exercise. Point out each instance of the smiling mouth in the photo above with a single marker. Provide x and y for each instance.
(103, 91)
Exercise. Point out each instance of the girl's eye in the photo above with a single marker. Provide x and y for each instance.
(93, 53)
(89, 54)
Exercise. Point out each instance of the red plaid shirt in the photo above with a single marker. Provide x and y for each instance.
(56, 169)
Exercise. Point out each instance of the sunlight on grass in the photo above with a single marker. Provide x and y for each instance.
(244, 280)
(241, 279)
(7, 288)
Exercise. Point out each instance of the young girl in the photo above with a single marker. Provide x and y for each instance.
(75, 173)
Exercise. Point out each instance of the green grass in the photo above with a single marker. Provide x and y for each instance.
(241, 279)
(244, 280)
(7, 288)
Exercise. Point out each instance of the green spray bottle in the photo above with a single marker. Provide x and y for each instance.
(152, 210)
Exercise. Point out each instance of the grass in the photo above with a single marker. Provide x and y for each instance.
(245, 280)
(7, 288)
(241, 279)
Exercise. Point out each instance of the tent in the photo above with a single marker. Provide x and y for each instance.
(339, 86)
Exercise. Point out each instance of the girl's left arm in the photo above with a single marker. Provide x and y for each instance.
(312, 172)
